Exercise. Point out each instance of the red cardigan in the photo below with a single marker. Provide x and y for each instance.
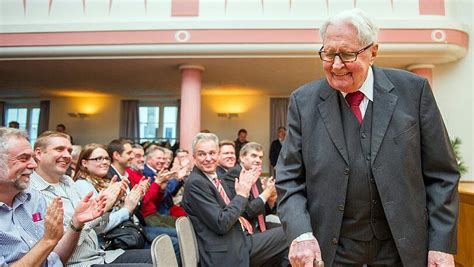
(152, 196)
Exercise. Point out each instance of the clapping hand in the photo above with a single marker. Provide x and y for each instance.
(89, 209)
(244, 183)
(113, 192)
(144, 185)
(132, 199)
(53, 222)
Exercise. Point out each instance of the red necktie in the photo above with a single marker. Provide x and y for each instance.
(244, 222)
(354, 99)
(261, 220)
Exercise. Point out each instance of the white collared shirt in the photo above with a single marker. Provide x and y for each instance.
(367, 89)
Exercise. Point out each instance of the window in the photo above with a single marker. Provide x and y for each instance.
(27, 116)
(158, 122)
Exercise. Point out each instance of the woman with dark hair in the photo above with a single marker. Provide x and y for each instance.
(91, 175)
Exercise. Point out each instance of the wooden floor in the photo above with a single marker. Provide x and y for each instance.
(465, 256)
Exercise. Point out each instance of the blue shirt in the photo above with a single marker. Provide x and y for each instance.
(22, 226)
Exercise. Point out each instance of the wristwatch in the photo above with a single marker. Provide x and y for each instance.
(74, 228)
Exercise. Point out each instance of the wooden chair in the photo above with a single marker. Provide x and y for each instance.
(187, 242)
(162, 252)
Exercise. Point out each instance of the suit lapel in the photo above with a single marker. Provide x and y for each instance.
(330, 113)
(211, 184)
(383, 107)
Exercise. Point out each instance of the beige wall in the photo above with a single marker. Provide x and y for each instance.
(454, 92)
(254, 116)
(100, 127)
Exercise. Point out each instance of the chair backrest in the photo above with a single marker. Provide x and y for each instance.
(187, 242)
(162, 252)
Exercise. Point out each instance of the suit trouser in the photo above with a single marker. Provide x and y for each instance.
(269, 248)
(160, 220)
(376, 252)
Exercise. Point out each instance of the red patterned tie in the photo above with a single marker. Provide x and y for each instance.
(354, 99)
(244, 222)
(261, 220)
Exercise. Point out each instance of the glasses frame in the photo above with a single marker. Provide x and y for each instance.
(338, 54)
(99, 159)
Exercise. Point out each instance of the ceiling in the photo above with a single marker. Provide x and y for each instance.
(143, 78)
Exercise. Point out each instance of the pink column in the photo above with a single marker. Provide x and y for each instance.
(190, 109)
(424, 70)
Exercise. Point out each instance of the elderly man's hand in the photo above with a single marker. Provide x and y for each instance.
(53, 222)
(304, 253)
(440, 259)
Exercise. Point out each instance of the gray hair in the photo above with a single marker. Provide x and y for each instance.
(367, 30)
(204, 137)
(151, 151)
(5, 135)
(138, 146)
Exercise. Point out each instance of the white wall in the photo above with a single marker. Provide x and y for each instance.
(254, 116)
(100, 127)
(454, 92)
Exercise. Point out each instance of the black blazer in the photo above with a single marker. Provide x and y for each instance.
(411, 158)
(256, 205)
(220, 237)
(275, 148)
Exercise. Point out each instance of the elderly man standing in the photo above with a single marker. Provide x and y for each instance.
(366, 174)
(32, 235)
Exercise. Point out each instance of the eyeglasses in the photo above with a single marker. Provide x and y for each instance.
(345, 57)
(100, 159)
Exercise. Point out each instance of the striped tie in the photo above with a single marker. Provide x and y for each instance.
(261, 220)
(245, 224)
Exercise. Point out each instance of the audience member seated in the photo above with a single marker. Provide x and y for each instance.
(52, 151)
(262, 198)
(91, 176)
(135, 175)
(227, 157)
(182, 166)
(76, 150)
(31, 234)
(155, 171)
(224, 237)
(175, 183)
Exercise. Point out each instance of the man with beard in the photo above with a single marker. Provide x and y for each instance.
(53, 155)
(32, 234)
(227, 157)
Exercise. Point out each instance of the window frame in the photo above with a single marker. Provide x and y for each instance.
(161, 107)
(30, 106)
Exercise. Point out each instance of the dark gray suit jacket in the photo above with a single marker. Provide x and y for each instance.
(220, 238)
(256, 205)
(411, 158)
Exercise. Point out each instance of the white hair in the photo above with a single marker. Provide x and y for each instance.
(6, 134)
(367, 30)
(202, 137)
